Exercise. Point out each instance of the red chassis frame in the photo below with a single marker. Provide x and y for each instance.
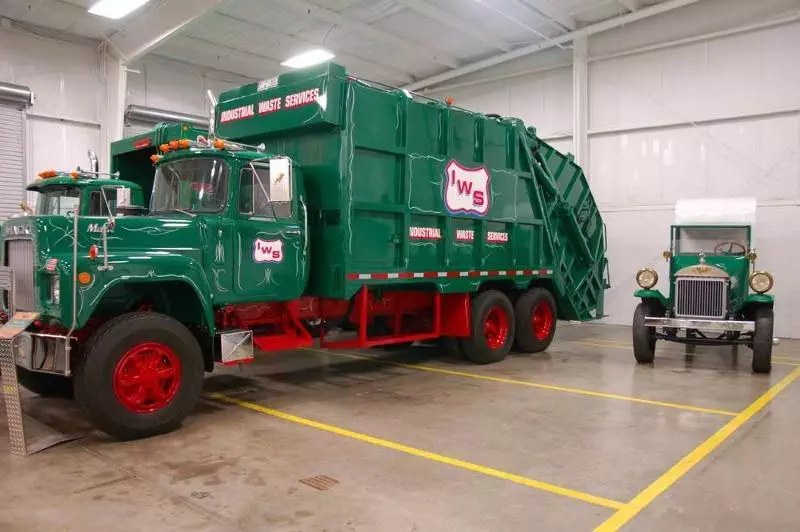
(409, 316)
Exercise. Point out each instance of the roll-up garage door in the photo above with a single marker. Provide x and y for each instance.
(12, 159)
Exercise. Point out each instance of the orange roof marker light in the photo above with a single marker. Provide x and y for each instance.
(184, 143)
(155, 158)
(74, 175)
(164, 148)
(47, 174)
(173, 144)
(449, 100)
(219, 144)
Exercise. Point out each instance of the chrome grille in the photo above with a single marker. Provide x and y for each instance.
(701, 297)
(19, 257)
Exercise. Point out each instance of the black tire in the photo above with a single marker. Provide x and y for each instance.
(762, 341)
(532, 335)
(475, 347)
(45, 384)
(96, 373)
(644, 340)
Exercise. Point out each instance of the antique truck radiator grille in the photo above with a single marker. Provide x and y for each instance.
(19, 257)
(701, 297)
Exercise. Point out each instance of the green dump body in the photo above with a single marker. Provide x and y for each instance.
(404, 191)
(131, 156)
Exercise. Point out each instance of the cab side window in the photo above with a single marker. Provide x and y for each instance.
(254, 195)
(98, 206)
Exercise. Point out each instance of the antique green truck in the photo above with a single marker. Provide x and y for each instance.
(716, 296)
(319, 203)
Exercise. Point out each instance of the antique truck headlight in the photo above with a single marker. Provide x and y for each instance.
(647, 278)
(55, 290)
(761, 281)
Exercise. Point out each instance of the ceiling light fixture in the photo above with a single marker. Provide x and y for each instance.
(115, 8)
(307, 59)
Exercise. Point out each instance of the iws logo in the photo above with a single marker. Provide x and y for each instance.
(267, 250)
(466, 189)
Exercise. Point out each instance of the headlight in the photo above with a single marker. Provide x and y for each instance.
(647, 278)
(760, 282)
(55, 290)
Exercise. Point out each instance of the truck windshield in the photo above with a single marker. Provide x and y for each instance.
(58, 201)
(190, 185)
(711, 240)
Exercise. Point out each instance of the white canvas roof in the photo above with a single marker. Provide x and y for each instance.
(716, 211)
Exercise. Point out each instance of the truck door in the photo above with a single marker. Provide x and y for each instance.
(270, 246)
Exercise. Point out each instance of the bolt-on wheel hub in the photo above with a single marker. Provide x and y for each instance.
(542, 320)
(496, 327)
(147, 377)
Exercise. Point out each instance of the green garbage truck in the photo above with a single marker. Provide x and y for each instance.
(318, 202)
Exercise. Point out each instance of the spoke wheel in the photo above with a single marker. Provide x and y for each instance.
(542, 320)
(147, 377)
(496, 327)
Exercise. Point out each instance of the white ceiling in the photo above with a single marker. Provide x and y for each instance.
(394, 41)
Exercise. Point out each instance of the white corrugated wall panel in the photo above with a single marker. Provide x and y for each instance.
(12, 159)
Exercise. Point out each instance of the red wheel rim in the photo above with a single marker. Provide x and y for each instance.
(542, 320)
(147, 377)
(495, 327)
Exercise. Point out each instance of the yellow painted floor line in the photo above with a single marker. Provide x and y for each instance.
(529, 482)
(579, 391)
(676, 472)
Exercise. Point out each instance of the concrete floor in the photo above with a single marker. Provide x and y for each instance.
(502, 454)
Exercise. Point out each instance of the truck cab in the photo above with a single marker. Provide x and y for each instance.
(716, 296)
(61, 194)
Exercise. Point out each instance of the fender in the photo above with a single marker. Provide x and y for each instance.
(136, 268)
(653, 294)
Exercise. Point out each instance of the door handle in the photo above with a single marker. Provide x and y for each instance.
(292, 231)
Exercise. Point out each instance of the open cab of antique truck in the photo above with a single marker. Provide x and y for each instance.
(319, 203)
(717, 297)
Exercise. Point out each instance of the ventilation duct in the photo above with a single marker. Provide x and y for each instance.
(151, 116)
(16, 94)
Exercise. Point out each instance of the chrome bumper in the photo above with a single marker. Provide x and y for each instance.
(45, 353)
(701, 325)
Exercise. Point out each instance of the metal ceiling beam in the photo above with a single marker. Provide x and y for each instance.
(334, 17)
(146, 33)
(546, 10)
(599, 27)
(631, 5)
(444, 17)
(354, 60)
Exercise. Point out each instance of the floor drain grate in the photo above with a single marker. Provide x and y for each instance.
(320, 482)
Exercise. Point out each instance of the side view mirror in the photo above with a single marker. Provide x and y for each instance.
(667, 255)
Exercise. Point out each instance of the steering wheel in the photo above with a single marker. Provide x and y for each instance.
(731, 246)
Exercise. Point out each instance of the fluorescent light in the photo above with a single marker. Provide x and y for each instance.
(307, 59)
(115, 8)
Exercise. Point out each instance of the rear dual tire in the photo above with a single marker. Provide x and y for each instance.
(497, 325)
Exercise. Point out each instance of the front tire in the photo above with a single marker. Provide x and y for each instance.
(762, 341)
(644, 339)
(141, 375)
(492, 328)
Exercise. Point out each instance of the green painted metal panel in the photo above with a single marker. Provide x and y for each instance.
(398, 183)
